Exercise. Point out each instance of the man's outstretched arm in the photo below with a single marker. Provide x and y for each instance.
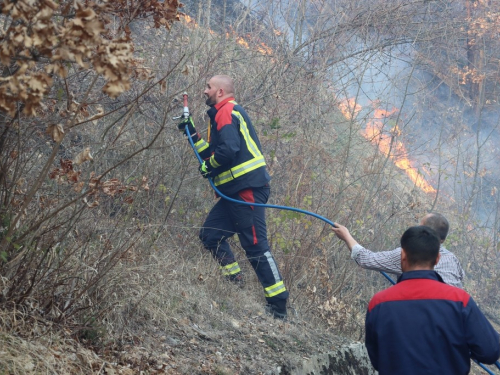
(343, 233)
(387, 261)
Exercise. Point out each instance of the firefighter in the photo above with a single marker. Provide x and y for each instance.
(233, 158)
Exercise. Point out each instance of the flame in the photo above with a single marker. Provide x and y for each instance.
(264, 49)
(260, 47)
(385, 141)
(189, 20)
(242, 42)
(394, 149)
(349, 108)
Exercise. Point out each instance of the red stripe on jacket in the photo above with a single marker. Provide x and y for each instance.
(223, 116)
(419, 289)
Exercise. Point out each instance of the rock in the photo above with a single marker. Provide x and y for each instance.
(349, 359)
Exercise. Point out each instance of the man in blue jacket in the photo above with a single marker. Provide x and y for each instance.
(422, 325)
(233, 158)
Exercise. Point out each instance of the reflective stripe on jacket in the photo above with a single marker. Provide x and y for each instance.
(234, 153)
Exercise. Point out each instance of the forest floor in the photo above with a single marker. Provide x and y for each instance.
(208, 334)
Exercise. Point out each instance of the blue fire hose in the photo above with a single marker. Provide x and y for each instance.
(285, 208)
(485, 368)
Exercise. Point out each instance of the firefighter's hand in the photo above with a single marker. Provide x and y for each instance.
(188, 124)
(205, 169)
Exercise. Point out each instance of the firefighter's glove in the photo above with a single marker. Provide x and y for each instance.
(188, 124)
(205, 169)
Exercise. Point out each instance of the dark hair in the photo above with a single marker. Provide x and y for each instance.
(421, 245)
(439, 223)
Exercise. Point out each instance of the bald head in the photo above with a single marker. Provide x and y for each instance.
(437, 222)
(218, 88)
(226, 83)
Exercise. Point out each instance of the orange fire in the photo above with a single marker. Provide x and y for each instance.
(242, 42)
(261, 47)
(264, 49)
(349, 108)
(394, 149)
(386, 141)
(189, 20)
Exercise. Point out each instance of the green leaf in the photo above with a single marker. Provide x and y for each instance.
(275, 123)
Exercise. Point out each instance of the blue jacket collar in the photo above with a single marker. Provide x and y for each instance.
(421, 274)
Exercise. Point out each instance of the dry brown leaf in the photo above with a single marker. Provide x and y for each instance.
(143, 73)
(91, 205)
(78, 187)
(83, 157)
(84, 110)
(73, 176)
(80, 36)
(66, 165)
(111, 182)
(56, 131)
(73, 106)
(114, 88)
(145, 185)
(98, 115)
(112, 187)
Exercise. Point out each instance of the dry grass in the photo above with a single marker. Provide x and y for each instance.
(29, 346)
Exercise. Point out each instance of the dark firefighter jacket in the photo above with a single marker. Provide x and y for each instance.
(233, 153)
(423, 326)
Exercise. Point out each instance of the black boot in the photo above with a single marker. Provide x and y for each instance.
(277, 309)
(237, 279)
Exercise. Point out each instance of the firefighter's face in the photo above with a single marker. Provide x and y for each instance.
(211, 92)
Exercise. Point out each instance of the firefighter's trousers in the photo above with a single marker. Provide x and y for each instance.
(249, 222)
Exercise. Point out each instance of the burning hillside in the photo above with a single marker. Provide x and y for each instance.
(386, 141)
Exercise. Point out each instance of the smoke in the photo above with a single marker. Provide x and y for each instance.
(453, 147)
